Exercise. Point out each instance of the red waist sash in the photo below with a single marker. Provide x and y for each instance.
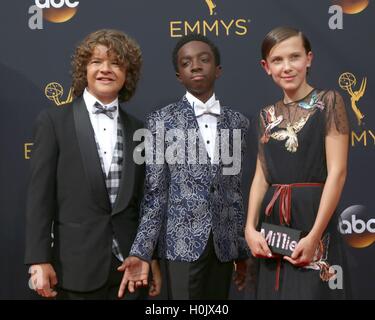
(284, 192)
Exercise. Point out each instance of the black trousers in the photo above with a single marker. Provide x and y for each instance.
(107, 292)
(205, 278)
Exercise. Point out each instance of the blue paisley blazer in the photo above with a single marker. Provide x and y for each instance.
(184, 202)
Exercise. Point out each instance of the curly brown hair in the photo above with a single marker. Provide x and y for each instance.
(128, 53)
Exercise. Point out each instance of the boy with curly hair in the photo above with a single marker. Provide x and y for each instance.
(85, 188)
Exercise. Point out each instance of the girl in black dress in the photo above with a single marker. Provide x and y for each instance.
(300, 173)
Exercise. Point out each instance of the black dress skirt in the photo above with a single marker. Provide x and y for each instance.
(293, 157)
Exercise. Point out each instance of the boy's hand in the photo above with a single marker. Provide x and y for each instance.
(43, 279)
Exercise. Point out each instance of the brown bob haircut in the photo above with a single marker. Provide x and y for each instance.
(279, 34)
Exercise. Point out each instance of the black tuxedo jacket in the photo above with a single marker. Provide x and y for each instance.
(67, 197)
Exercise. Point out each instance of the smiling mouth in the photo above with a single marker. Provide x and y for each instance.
(288, 78)
(105, 80)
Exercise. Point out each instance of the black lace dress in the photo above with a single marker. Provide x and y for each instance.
(293, 157)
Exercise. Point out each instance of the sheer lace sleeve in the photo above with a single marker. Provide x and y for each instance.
(336, 116)
(263, 138)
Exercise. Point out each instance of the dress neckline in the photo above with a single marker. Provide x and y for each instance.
(299, 100)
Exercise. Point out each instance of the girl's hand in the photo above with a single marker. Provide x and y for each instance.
(304, 252)
(257, 243)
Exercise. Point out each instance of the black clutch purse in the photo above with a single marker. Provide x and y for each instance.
(280, 239)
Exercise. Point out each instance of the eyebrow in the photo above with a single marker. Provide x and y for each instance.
(295, 52)
(278, 56)
(110, 57)
(199, 55)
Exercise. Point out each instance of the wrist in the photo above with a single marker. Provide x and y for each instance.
(315, 235)
(250, 228)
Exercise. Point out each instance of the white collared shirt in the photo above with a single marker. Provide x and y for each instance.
(105, 128)
(207, 122)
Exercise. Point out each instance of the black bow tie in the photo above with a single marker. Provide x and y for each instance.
(107, 111)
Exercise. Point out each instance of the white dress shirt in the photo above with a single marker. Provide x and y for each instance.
(207, 122)
(104, 127)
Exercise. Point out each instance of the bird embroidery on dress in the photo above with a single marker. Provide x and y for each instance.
(271, 121)
(314, 102)
(290, 134)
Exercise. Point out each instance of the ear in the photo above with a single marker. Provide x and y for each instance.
(178, 77)
(219, 71)
(310, 57)
(265, 66)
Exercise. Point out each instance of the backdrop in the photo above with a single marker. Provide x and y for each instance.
(36, 46)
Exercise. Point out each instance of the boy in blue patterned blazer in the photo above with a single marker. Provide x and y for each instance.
(193, 208)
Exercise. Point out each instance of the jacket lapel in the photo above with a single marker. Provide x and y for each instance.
(221, 142)
(192, 123)
(222, 124)
(89, 154)
(188, 114)
(128, 168)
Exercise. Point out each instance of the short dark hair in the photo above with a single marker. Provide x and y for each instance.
(279, 34)
(125, 48)
(194, 37)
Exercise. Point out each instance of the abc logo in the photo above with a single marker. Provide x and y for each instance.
(357, 226)
(45, 4)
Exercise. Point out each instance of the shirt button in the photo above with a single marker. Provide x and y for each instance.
(206, 126)
(105, 129)
(105, 152)
(208, 141)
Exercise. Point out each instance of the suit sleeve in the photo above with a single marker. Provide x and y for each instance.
(153, 207)
(41, 201)
(138, 194)
(243, 249)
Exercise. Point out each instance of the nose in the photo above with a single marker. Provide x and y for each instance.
(196, 65)
(105, 67)
(287, 66)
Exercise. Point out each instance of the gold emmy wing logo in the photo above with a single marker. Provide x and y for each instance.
(346, 81)
(209, 24)
(211, 6)
(54, 91)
